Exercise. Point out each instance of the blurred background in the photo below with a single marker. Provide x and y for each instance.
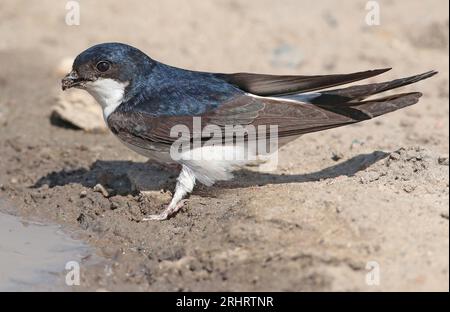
(230, 35)
(309, 234)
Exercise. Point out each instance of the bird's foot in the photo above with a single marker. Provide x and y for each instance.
(167, 213)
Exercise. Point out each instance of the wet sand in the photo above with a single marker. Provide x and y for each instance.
(338, 201)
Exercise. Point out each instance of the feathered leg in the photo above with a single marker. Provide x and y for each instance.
(185, 185)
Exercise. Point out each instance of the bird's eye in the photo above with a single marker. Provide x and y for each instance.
(102, 66)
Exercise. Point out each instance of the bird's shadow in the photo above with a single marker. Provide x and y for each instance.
(347, 168)
(127, 177)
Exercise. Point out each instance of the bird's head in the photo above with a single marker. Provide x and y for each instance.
(107, 69)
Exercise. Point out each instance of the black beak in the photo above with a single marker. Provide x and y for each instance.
(71, 80)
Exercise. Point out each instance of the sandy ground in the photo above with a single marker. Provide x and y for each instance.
(376, 191)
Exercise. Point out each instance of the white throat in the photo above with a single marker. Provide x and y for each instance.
(108, 93)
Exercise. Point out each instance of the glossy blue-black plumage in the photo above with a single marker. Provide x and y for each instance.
(170, 91)
(157, 89)
(158, 96)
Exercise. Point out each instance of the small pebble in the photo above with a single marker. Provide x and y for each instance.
(409, 188)
(394, 156)
(101, 189)
(337, 156)
(443, 161)
(114, 205)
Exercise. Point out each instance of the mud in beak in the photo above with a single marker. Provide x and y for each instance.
(72, 80)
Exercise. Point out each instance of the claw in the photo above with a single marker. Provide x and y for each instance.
(166, 214)
(185, 184)
(156, 217)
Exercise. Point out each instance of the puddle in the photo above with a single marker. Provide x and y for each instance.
(33, 256)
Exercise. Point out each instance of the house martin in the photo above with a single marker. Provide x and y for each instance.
(144, 100)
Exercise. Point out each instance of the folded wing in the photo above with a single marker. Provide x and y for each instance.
(327, 109)
(269, 85)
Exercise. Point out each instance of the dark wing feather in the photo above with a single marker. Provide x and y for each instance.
(141, 128)
(354, 94)
(333, 108)
(266, 85)
(292, 118)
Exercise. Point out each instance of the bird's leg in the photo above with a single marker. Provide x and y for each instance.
(185, 185)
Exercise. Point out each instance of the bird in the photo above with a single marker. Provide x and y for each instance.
(144, 100)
